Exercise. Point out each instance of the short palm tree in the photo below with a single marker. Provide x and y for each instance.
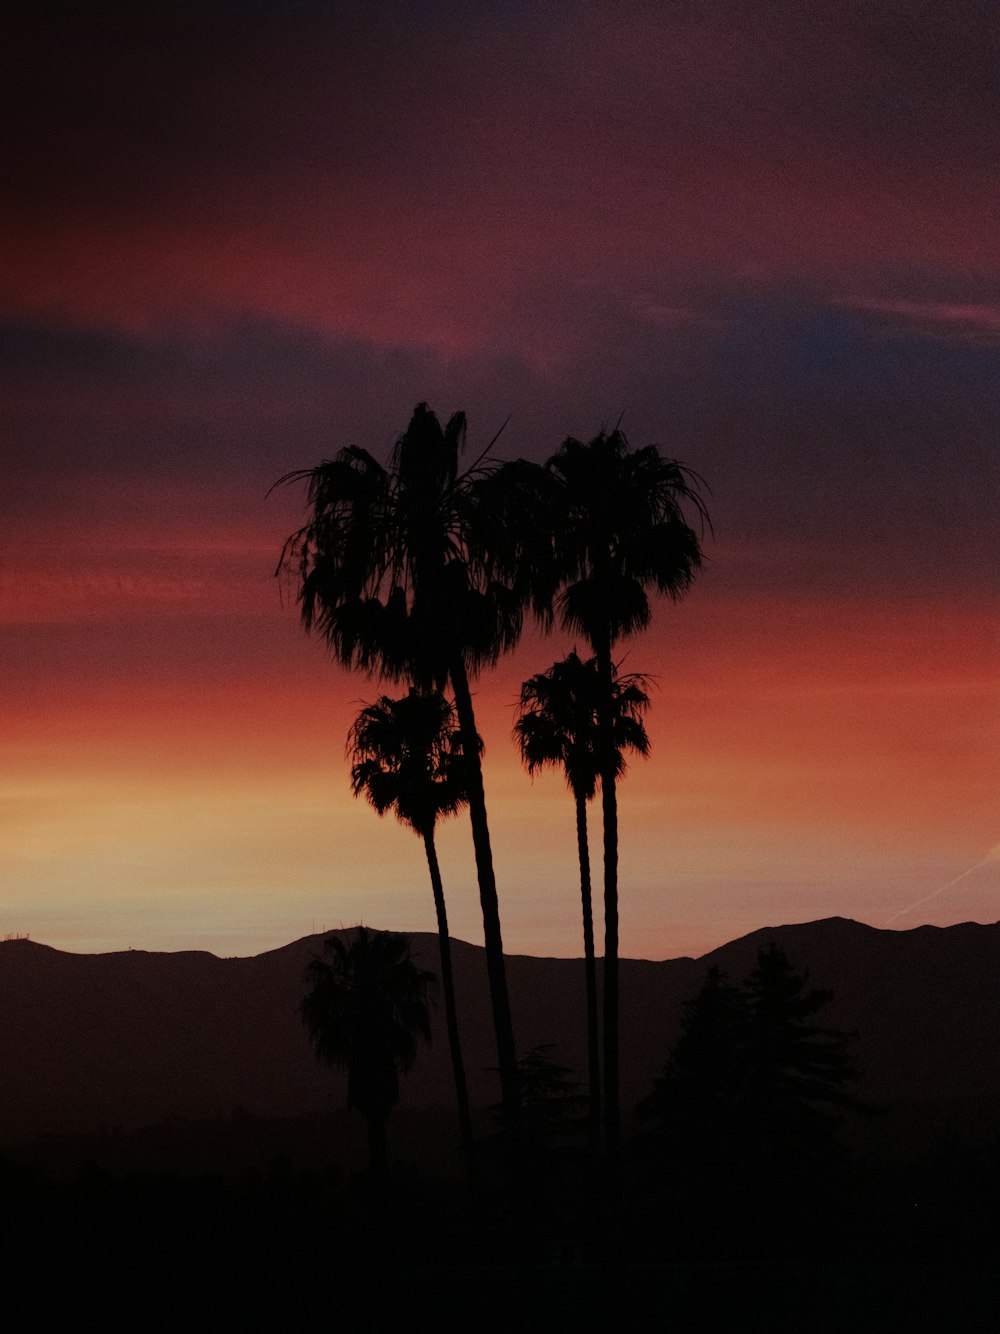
(407, 758)
(557, 724)
(393, 573)
(365, 1010)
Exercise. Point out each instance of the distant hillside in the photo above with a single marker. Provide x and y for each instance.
(92, 1042)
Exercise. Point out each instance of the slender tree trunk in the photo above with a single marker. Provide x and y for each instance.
(450, 1010)
(377, 1140)
(510, 1096)
(609, 805)
(590, 970)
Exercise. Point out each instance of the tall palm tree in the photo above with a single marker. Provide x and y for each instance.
(393, 575)
(407, 759)
(620, 530)
(365, 1010)
(557, 724)
(592, 531)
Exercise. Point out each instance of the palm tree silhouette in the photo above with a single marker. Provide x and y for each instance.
(593, 530)
(394, 575)
(407, 758)
(365, 1010)
(557, 724)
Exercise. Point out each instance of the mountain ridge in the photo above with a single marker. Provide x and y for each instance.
(134, 1038)
(763, 931)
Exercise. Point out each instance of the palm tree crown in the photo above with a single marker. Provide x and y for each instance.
(557, 721)
(407, 758)
(622, 530)
(365, 1011)
(390, 566)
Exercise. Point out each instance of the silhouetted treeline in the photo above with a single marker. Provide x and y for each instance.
(741, 1201)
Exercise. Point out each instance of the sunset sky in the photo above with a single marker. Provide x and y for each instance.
(237, 236)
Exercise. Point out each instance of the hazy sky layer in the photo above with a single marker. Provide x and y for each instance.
(239, 236)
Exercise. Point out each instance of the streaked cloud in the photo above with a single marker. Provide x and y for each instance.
(242, 237)
(971, 321)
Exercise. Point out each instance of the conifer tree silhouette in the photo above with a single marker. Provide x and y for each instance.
(704, 1082)
(753, 1081)
(798, 1072)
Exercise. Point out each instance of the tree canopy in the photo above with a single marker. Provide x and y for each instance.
(367, 1007)
(752, 1076)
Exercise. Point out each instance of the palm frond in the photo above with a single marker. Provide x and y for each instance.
(621, 529)
(366, 1006)
(407, 758)
(557, 721)
(393, 569)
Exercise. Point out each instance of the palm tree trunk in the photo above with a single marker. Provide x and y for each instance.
(510, 1097)
(377, 1140)
(609, 806)
(450, 1010)
(590, 970)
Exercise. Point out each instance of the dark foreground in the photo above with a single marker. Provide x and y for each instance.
(869, 1247)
